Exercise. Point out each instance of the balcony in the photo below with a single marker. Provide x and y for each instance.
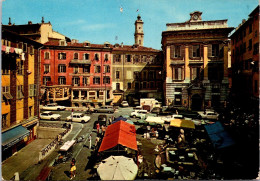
(88, 62)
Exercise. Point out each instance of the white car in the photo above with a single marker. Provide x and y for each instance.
(50, 116)
(78, 117)
(172, 117)
(124, 104)
(208, 115)
(53, 107)
(139, 114)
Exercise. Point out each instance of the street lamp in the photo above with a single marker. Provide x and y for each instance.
(105, 81)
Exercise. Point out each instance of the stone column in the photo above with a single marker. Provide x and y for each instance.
(186, 65)
(205, 63)
(168, 65)
(225, 59)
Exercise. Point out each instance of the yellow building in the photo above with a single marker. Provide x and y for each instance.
(20, 83)
(196, 63)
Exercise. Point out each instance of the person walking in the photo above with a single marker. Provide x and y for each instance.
(98, 128)
(72, 169)
(89, 139)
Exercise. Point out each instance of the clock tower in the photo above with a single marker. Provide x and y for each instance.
(195, 16)
(139, 33)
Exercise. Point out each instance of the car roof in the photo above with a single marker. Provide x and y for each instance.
(77, 113)
(46, 111)
(52, 104)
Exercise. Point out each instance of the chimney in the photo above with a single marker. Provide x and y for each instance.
(74, 41)
(42, 19)
(29, 22)
(9, 22)
(122, 44)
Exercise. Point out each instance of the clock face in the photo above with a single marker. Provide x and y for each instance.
(195, 17)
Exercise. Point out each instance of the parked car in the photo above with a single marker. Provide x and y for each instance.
(208, 115)
(138, 108)
(168, 111)
(124, 104)
(156, 110)
(53, 107)
(104, 109)
(139, 114)
(78, 117)
(172, 117)
(50, 116)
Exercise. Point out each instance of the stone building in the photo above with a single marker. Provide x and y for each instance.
(136, 70)
(20, 91)
(196, 62)
(76, 74)
(245, 61)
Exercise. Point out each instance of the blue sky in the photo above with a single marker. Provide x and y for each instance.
(101, 20)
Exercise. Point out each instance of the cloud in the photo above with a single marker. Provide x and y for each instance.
(96, 27)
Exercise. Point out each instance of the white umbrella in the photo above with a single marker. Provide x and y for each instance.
(117, 168)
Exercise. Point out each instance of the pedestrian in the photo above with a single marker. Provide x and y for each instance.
(72, 171)
(96, 142)
(98, 128)
(73, 162)
(103, 128)
(89, 139)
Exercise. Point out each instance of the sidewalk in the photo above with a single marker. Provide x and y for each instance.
(25, 161)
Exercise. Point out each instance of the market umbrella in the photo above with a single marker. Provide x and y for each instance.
(182, 123)
(120, 118)
(130, 122)
(117, 168)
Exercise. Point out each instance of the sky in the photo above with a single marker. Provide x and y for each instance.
(99, 21)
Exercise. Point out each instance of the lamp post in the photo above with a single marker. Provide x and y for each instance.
(105, 81)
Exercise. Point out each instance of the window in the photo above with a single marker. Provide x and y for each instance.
(75, 80)
(4, 120)
(46, 55)
(76, 56)
(106, 80)
(62, 80)
(151, 84)
(117, 58)
(175, 51)
(117, 86)
(144, 58)
(144, 85)
(75, 69)
(96, 56)
(244, 48)
(97, 69)
(195, 73)
(178, 89)
(250, 45)
(136, 85)
(46, 68)
(256, 48)
(96, 80)
(86, 56)
(30, 111)
(85, 81)
(31, 50)
(129, 85)
(151, 75)
(215, 72)
(19, 93)
(6, 93)
(136, 58)
(178, 73)
(5, 67)
(61, 68)
(136, 75)
(106, 57)
(215, 50)
(25, 47)
(128, 58)
(86, 69)
(62, 43)
(20, 67)
(106, 68)
(61, 56)
(46, 79)
(32, 90)
(196, 51)
(117, 74)
(250, 28)
(145, 75)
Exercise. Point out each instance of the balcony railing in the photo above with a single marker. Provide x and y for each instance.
(80, 61)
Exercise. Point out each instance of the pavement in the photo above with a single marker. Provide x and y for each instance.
(25, 161)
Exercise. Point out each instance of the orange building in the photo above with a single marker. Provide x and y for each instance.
(245, 60)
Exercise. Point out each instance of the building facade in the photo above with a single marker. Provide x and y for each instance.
(137, 70)
(196, 63)
(136, 73)
(76, 74)
(20, 95)
(245, 61)
(40, 32)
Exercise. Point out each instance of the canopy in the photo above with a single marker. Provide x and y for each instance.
(157, 120)
(13, 136)
(117, 168)
(121, 133)
(67, 145)
(219, 137)
(182, 123)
